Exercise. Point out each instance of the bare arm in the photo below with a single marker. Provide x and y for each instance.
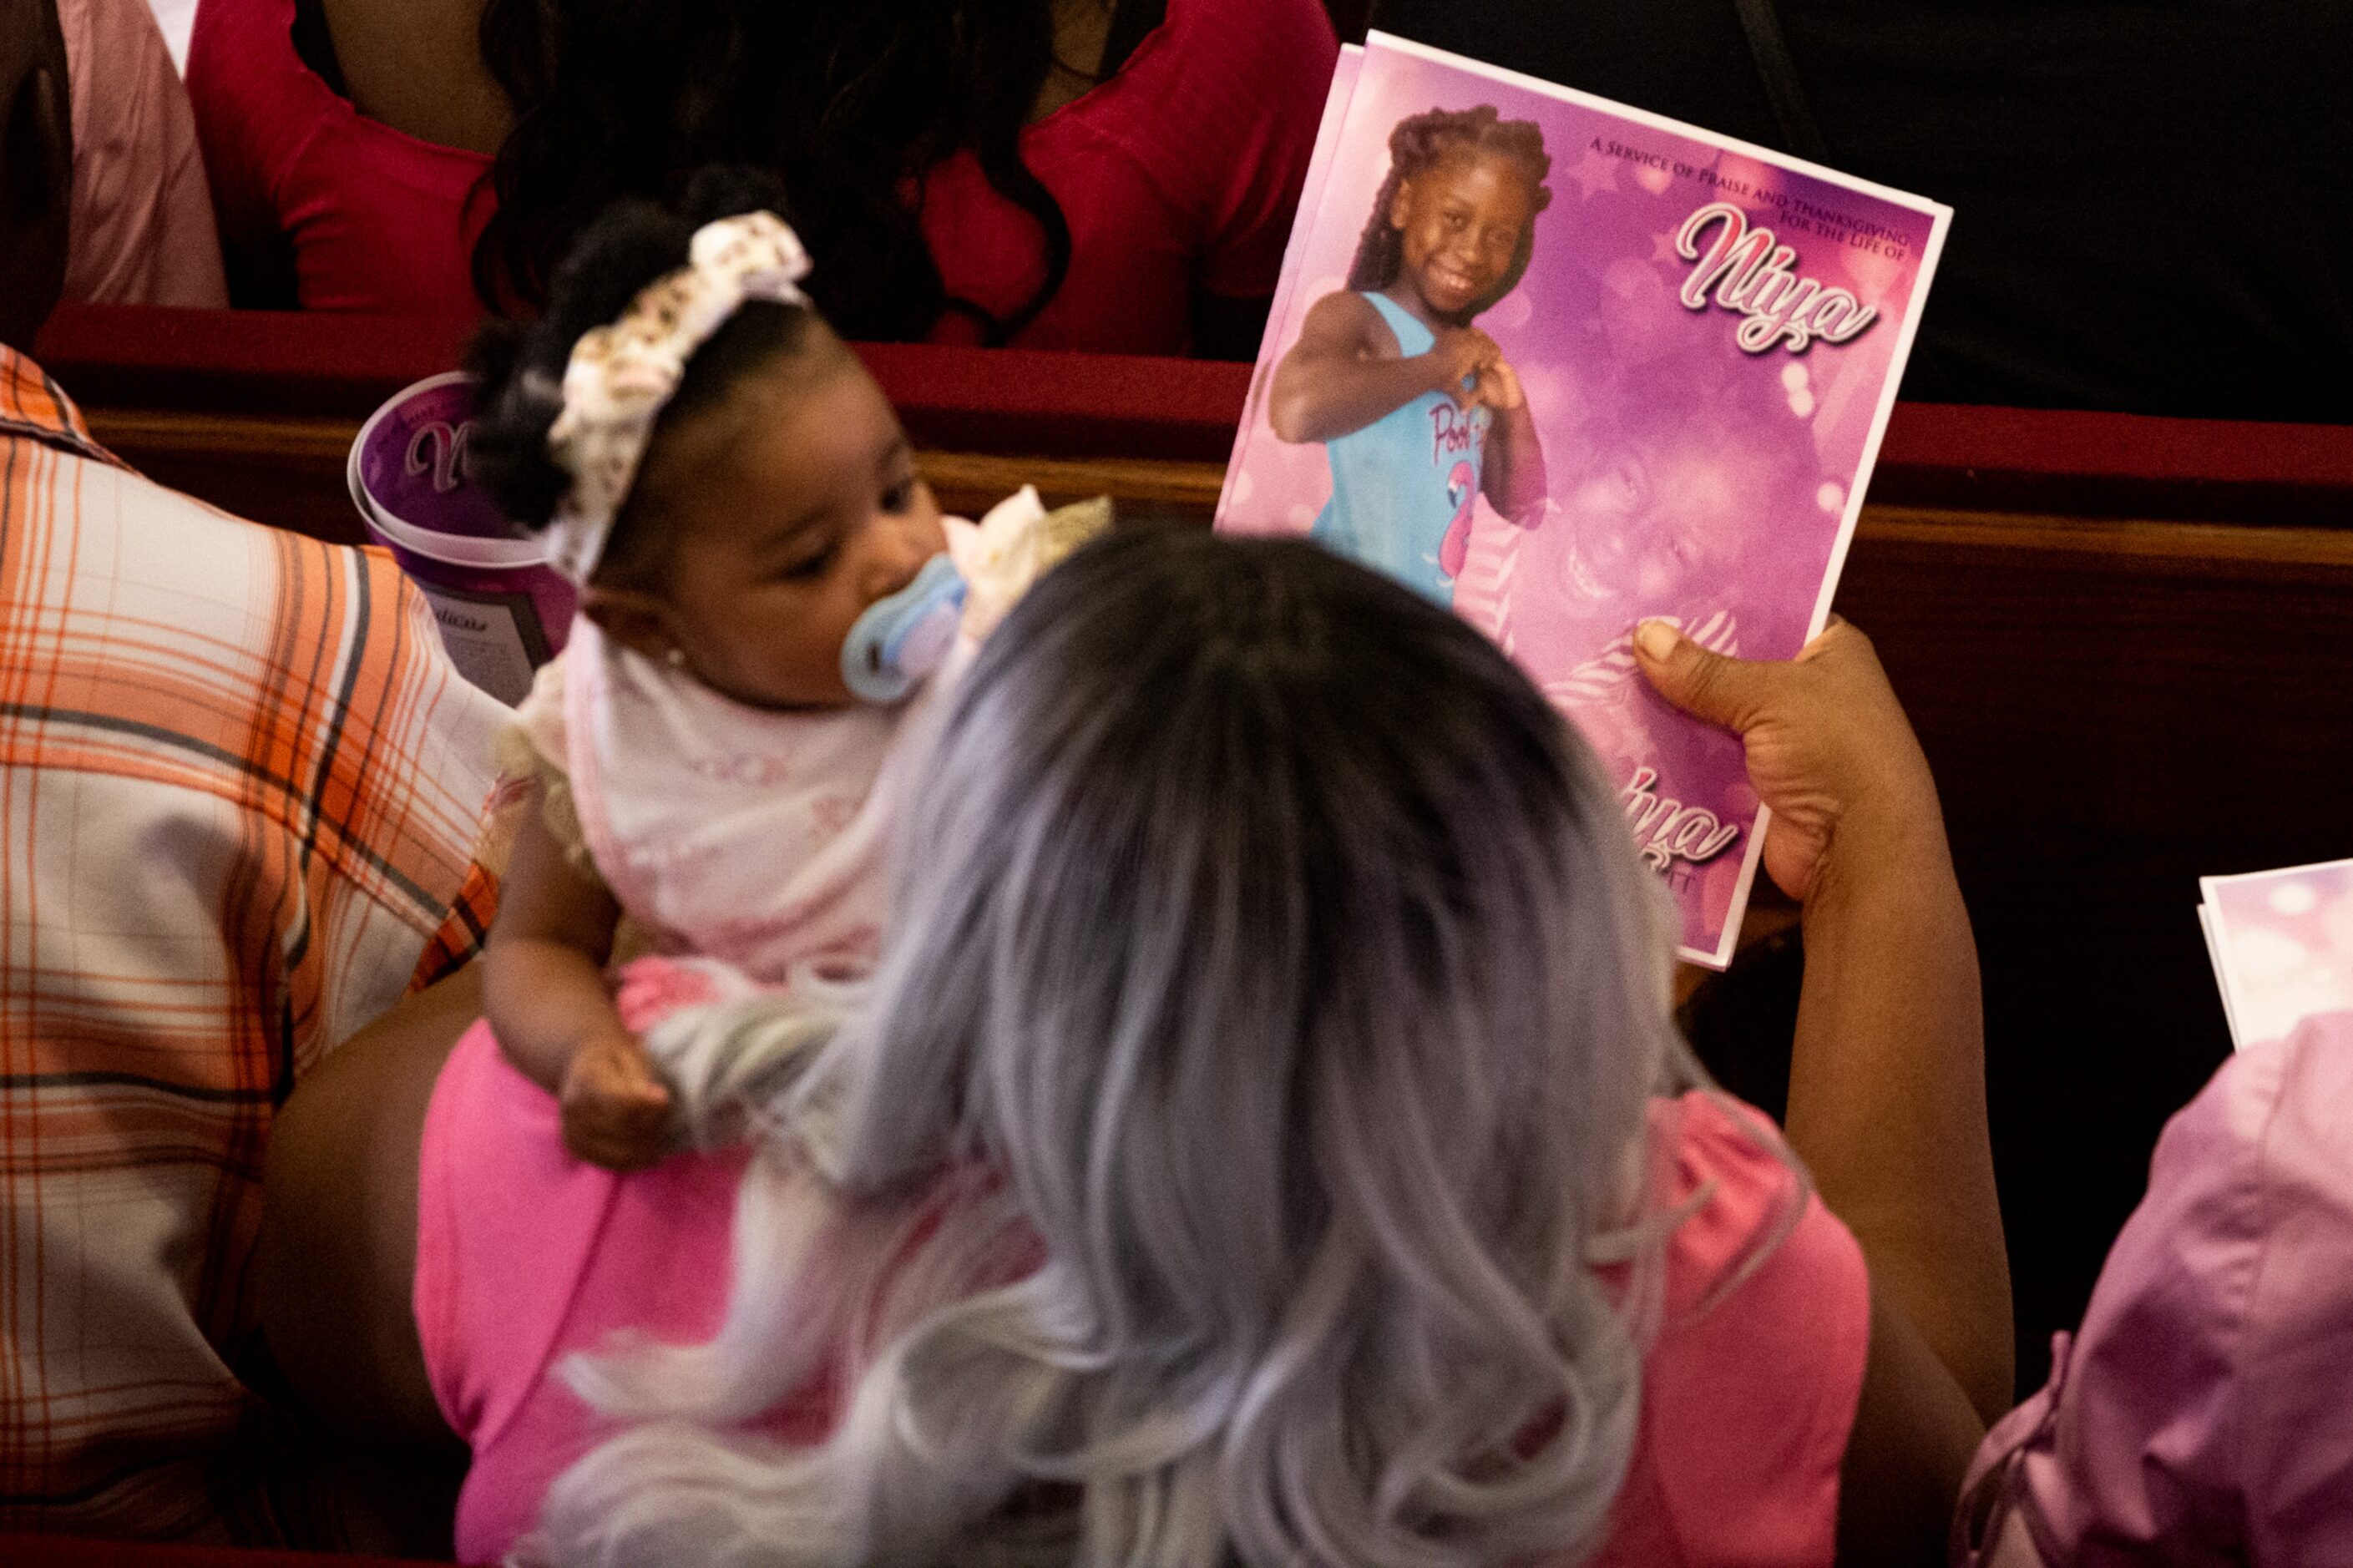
(1908, 1452)
(1887, 1089)
(1887, 1076)
(543, 968)
(1513, 476)
(544, 992)
(416, 65)
(337, 1256)
(1344, 372)
(335, 1268)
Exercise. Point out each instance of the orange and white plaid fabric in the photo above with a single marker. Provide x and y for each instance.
(239, 791)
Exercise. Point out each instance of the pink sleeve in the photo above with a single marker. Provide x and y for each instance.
(1750, 1392)
(1256, 77)
(2203, 1414)
(525, 1254)
(490, 1131)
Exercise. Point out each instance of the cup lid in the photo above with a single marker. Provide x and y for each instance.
(408, 476)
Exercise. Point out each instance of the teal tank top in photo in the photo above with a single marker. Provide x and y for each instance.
(1400, 482)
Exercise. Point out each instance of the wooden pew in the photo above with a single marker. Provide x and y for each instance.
(2127, 643)
(256, 411)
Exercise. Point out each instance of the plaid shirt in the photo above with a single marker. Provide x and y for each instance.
(239, 790)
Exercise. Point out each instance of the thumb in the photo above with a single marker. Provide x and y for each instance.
(629, 1074)
(1705, 685)
(641, 1081)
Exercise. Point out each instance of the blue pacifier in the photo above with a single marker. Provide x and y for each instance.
(900, 639)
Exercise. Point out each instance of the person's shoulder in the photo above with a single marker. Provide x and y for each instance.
(1217, 106)
(2310, 1136)
(2311, 1065)
(243, 47)
(1752, 1216)
(1240, 63)
(1294, 34)
(2270, 1130)
(2244, 1236)
(1346, 316)
(256, 105)
(105, 504)
(1344, 305)
(2205, 1394)
(2270, 1119)
(1750, 1386)
(104, 37)
(34, 408)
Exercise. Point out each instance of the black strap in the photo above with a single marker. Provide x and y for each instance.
(1787, 93)
(314, 46)
(1132, 21)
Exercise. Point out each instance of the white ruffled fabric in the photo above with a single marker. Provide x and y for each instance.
(762, 840)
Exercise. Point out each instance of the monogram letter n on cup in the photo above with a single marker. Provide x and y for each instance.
(502, 610)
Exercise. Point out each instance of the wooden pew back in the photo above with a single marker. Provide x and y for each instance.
(2128, 645)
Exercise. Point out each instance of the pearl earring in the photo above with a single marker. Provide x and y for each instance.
(676, 658)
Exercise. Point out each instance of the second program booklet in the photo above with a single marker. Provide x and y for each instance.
(1565, 366)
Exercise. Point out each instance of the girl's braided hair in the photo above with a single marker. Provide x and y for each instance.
(1418, 144)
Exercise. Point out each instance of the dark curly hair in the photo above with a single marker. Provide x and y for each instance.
(848, 103)
(520, 365)
(1418, 144)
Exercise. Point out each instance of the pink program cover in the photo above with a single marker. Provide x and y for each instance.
(1695, 346)
(2281, 945)
(1286, 287)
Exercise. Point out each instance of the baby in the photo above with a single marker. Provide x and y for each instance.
(714, 761)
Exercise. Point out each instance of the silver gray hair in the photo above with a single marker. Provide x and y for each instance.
(1216, 1172)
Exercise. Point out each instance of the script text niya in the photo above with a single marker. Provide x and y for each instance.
(1667, 830)
(1750, 272)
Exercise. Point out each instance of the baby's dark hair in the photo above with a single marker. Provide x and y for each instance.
(520, 365)
(1418, 144)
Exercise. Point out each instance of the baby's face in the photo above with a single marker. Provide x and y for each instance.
(802, 510)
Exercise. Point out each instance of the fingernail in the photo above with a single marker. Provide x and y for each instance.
(1658, 639)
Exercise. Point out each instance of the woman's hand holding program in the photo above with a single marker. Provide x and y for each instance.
(1886, 1102)
(1830, 751)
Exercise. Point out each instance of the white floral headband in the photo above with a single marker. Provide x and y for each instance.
(621, 376)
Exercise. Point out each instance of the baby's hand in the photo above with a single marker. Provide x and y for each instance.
(615, 1110)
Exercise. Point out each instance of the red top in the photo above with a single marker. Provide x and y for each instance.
(1182, 171)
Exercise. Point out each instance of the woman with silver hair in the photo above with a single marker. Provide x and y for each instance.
(1265, 1142)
